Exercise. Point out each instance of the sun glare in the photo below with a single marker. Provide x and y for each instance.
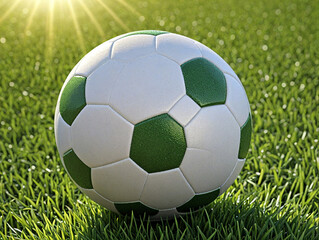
(92, 18)
(77, 26)
(129, 7)
(7, 13)
(35, 7)
(113, 15)
(50, 30)
(30, 19)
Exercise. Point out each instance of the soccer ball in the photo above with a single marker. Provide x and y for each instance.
(153, 122)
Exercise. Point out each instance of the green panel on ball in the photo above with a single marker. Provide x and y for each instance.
(147, 32)
(204, 82)
(199, 201)
(79, 172)
(158, 144)
(73, 99)
(245, 137)
(137, 208)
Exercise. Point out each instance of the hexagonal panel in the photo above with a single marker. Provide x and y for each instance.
(137, 208)
(94, 58)
(234, 174)
(62, 135)
(101, 136)
(176, 47)
(216, 59)
(147, 87)
(80, 173)
(203, 171)
(213, 129)
(100, 83)
(160, 193)
(72, 99)
(133, 47)
(158, 144)
(184, 110)
(205, 83)
(236, 100)
(122, 181)
(96, 197)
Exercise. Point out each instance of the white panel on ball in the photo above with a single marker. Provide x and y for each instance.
(100, 83)
(144, 90)
(101, 136)
(233, 175)
(203, 170)
(216, 59)
(132, 47)
(96, 197)
(184, 110)
(160, 193)
(62, 135)
(215, 129)
(236, 100)
(176, 47)
(122, 181)
(93, 59)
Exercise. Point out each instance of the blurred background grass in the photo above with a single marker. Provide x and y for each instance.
(271, 45)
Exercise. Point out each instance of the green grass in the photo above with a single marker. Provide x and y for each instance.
(272, 45)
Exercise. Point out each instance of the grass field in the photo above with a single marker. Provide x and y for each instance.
(272, 45)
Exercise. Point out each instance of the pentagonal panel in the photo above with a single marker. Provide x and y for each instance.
(147, 87)
(100, 83)
(122, 181)
(158, 144)
(62, 135)
(137, 208)
(213, 129)
(236, 100)
(216, 59)
(71, 74)
(205, 83)
(96, 197)
(234, 174)
(72, 99)
(132, 47)
(94, 58)
(199, 201)
(101, 136)
(80, 172)
(176, 47)
(245, 137)
(184, 110)
(165, 190)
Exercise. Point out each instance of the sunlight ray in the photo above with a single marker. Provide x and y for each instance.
(50, 31)
(129, 7)
(77, 27)
(30, 19)
(113, 14)
(7, 13)
(92, 18)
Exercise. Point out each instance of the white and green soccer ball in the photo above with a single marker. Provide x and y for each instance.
(153, 122)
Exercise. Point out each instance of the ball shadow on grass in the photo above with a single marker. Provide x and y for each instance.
(222, 219)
